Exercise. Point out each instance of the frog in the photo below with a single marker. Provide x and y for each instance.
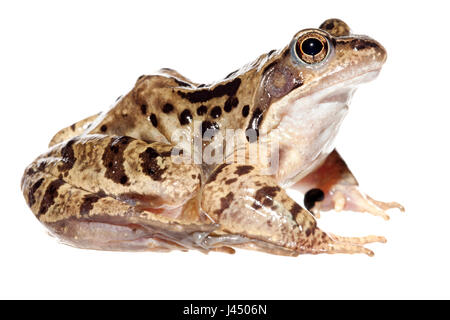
(129, 179)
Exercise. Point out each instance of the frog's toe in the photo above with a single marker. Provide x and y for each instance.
(337, 244)
(349, 248)
(349, 197)
(386, 205)
(352, 199)
(359, 240)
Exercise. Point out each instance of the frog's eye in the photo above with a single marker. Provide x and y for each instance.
(311, 48)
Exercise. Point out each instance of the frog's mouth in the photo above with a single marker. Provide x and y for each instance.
(331, 89)
(328, 90)
(309, 122)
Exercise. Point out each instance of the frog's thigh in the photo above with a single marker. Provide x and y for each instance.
(72, 131)
(259, 213)
(333, 186)
(87, 220)
(112, 193)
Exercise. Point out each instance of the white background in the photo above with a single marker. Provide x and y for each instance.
(63, 61)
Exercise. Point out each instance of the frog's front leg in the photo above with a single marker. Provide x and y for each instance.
(116, 193)
(333, 186)
(254, 212)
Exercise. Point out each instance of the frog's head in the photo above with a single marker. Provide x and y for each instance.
(319, 64)
(305, 88)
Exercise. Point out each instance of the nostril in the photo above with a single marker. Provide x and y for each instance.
(364, 43)
(370, 46)
(360, 44)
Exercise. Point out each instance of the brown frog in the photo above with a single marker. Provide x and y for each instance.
(153, 173)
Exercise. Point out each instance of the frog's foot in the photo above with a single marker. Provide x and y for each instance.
(348, 197)
(253, 212)
(116, 193)
(333, 187)
(321, 243)
(338, 244)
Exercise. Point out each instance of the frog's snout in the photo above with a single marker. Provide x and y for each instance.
(366, 46)
(361, 52)
(339, 29)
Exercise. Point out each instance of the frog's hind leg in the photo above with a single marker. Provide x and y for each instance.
(254, 209)
(116, 193)
(87, 220)
(333, 186)
(73, 130)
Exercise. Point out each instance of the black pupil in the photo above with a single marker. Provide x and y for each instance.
(312, 46)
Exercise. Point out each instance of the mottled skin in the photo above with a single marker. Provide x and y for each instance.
(110, 182)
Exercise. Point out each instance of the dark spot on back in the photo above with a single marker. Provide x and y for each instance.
(229, 89)
(313, 196)
(167, 108)
(144, 109)
(49, 196)
(271, 51)
(185, 117)
(216, 112)
(113, 158)
(202, 110)
(31, 198)
(73, 127)
(232, 102)
(68, 156)
(245, 110)
(140, 77)
(210, 128)
(153, 120)
(149, 164)
(240, 170)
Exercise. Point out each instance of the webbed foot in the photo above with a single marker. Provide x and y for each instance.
(332, 186)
